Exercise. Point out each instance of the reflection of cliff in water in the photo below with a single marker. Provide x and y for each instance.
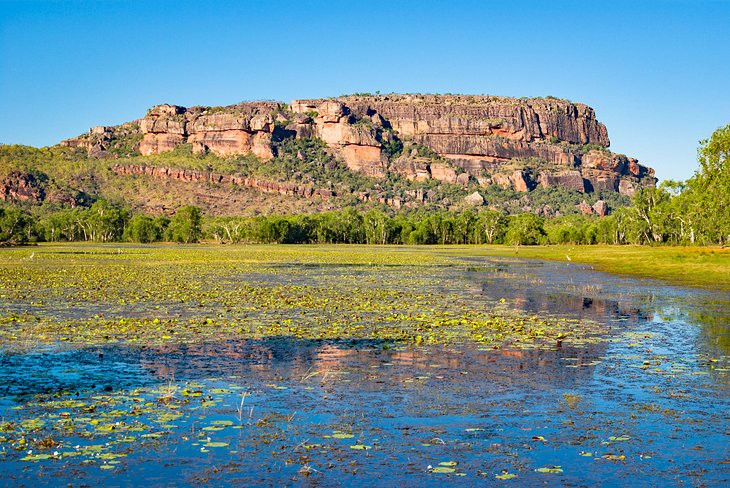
(368, 366)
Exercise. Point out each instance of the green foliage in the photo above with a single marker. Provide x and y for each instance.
(393, 148)
(145, 229)
(572, 229)
(185, 226)
(525, 229)
(15, 226)
(709, 188)
(104, 222)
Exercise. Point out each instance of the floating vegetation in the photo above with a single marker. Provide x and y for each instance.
(250, 365)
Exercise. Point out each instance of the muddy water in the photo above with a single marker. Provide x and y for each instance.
(648, 407)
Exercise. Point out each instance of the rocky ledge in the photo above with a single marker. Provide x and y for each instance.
(217, 178)
(518, 143)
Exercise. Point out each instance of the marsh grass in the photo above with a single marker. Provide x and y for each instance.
(704, 267)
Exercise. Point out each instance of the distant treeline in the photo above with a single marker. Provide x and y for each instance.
(693, 212)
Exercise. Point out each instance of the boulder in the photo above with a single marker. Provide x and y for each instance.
(442, 172)
(519, 181)
(585, 208)
(600, 208)
(474, 200)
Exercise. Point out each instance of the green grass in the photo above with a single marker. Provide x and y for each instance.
(704, 267)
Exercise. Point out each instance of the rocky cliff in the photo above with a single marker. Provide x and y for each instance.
(494, 140)
(464, 140)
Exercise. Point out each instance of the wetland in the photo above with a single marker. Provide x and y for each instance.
(354, 365)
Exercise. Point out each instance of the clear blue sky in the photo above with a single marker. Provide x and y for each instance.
(657, 72)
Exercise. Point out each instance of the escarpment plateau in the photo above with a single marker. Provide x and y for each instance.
(464, 140)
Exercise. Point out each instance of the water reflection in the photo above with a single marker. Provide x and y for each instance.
(578, 292)
(649, 405)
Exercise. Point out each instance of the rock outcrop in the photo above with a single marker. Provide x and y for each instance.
(21, 187)
(217, 178)
(358, 140)
(517, 143)
(237, 129)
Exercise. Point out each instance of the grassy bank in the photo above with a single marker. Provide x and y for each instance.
(705, 267)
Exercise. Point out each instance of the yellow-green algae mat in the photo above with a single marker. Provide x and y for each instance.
(92, 295)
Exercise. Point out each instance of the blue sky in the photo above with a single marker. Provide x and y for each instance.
(656, 72)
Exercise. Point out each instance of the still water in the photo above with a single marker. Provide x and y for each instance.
(647, 406)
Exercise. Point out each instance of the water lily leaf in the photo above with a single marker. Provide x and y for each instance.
(37, 457)
(151, 435)
(550, 469)
(448, 463)
(619, 438)
(505, 476)
(614, 457)
(215, 444)
(341, 435)
(361, 447)
(222, 422)
(111, 455)
(442, 469)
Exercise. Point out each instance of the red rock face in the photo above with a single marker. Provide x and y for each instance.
(238, 129)
(569, 179)
(479, 134)
(477, 137)
(520, 120)
(519, 182)
(368, 160)
(155, 143)
(21, 187)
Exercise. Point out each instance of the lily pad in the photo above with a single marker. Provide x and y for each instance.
(215, 444)
(505, 476)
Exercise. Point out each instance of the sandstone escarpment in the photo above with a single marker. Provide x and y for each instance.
(471, 140)
(358, 141)
(556, 139)
(510, 118)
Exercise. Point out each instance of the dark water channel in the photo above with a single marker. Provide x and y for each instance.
(648, 407)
